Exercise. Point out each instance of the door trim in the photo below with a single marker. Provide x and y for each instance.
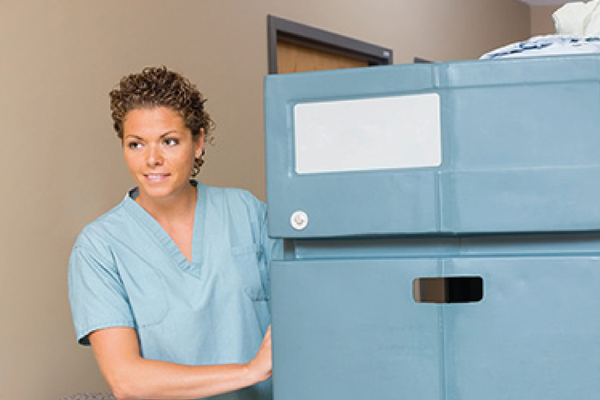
(289, 31)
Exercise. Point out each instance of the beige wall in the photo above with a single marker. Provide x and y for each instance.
(541, 20)
(61, 162)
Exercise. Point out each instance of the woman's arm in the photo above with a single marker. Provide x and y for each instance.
(132, 377)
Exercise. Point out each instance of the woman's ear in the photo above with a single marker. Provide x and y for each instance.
(199, 145)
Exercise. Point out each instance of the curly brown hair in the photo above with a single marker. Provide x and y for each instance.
(161, 87)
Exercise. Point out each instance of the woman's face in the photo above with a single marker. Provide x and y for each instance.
(159, 151)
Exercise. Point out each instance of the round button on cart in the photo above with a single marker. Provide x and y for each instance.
(299, 220)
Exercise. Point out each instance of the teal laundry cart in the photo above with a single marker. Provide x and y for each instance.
(441, 225)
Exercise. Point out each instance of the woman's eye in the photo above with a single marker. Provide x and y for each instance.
(134, 145)
(171, 142)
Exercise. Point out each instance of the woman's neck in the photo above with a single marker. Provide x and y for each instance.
(178, 206)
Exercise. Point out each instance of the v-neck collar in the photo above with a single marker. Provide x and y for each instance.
(148, 222)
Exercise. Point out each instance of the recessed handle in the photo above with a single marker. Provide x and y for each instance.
(452, 289)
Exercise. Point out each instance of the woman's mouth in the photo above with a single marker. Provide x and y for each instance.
(156, 177)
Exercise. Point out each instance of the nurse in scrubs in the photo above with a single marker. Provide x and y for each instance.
(171, 286)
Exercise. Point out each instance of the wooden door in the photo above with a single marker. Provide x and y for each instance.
(294, 47)
(292, 57)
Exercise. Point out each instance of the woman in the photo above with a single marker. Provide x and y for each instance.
(171, 286)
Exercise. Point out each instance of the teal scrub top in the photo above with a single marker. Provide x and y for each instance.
(126, 271)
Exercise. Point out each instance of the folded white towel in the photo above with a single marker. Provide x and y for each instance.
(578, 19)
(592, 25)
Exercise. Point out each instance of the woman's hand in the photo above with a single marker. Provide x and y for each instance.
(261, 366)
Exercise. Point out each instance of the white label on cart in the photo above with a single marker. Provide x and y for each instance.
(368, 134)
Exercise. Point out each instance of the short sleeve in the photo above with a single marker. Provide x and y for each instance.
(96, 293)
(272, 248)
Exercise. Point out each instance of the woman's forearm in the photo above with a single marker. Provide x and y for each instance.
(132, 377)
(150, 379)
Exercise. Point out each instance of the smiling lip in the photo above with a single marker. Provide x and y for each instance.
(156, 177)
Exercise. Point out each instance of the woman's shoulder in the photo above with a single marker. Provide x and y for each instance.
(107, 224)
(232, 195)
(236, 202)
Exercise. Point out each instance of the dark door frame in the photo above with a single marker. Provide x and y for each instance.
(293, 32)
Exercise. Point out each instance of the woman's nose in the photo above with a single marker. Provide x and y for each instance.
(154, 156)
